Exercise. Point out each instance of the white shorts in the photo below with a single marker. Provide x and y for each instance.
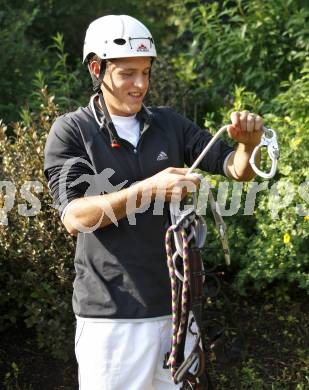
(124, 355)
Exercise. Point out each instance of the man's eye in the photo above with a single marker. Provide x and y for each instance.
(126, 74)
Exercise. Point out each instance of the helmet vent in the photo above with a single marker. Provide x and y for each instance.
(120, 41)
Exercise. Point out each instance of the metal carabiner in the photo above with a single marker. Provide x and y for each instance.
(273, 152)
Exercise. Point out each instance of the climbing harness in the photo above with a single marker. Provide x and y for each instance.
(189, 280)
(187, 294)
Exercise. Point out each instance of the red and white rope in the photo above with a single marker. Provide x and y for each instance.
(178, 324)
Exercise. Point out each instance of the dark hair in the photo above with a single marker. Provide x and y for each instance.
(93, 57)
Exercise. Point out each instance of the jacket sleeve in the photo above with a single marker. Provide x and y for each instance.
(66, 161)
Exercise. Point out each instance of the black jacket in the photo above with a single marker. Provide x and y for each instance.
(121, 272)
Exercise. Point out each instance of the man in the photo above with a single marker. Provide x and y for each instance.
(133, 156)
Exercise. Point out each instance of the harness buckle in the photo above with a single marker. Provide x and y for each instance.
(185, 367)
(165, 361)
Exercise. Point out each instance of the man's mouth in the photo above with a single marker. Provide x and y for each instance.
(136, 95)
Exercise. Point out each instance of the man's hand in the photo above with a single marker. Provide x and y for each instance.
(173, 184)
(246, 128)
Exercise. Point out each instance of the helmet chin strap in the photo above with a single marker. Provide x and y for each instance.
(107, 121)
(97, 81)
(109, 124)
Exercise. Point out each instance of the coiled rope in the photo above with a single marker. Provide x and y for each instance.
(178, 324)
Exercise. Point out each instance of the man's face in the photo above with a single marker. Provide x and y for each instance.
(125, 84)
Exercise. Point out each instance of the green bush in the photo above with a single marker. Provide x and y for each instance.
(36, 255)
(253, 43)
(278, 250)
(19, 56)
(270, 247)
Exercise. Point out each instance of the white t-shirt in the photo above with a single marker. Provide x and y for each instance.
(127, 127)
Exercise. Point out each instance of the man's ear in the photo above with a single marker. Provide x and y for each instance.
(95, 68)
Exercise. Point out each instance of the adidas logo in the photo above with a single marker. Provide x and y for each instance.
(162, 156)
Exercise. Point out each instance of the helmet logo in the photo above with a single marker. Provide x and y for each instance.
(142, 48)
(140, 44)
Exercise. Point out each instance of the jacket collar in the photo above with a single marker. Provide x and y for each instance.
(145, 115)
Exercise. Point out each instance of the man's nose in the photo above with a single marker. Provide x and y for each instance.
(140, 81)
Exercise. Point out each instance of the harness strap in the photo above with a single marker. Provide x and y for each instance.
(196, 285)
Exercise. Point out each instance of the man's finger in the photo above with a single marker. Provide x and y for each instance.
(235, 119)
(178, 171)
(258, 123)
(250, 122)
(243, 120)
(195, 178)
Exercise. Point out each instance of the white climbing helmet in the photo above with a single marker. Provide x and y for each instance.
(118, 36)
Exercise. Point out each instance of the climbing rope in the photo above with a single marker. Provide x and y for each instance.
(178, 324)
